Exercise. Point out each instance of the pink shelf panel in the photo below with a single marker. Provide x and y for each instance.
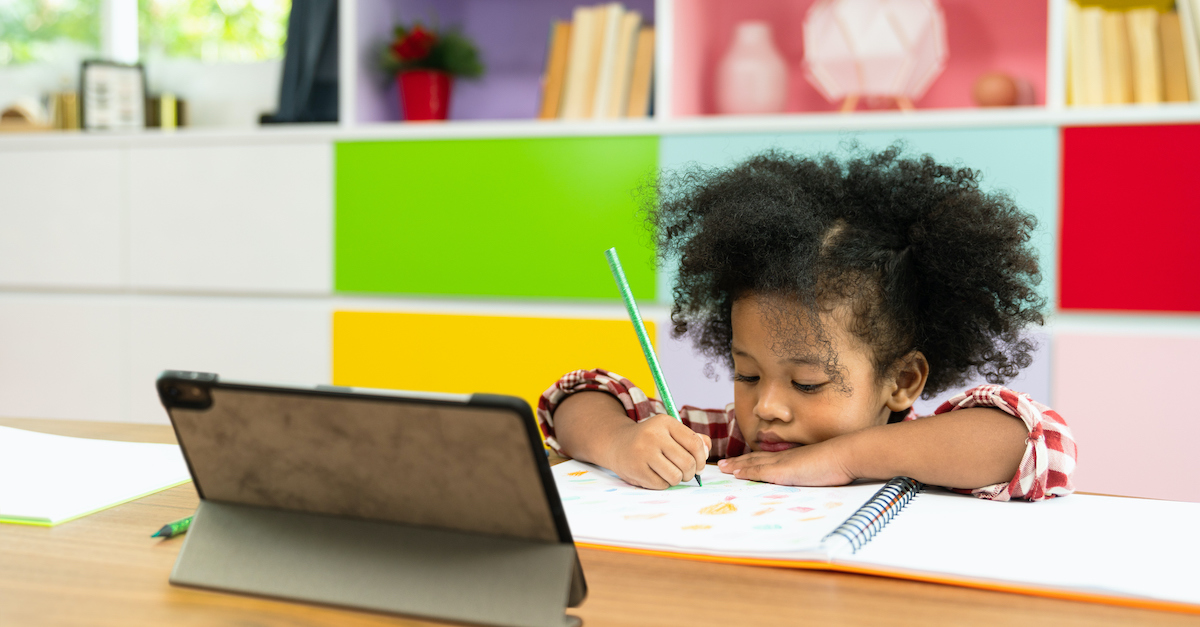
(1007, 36)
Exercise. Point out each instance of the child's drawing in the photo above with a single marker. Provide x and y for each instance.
(719, 508)
(732, 514)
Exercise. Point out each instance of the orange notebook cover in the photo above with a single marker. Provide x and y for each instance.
(1080, 547)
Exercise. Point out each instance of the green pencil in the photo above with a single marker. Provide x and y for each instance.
(614, 264)
(176, 528)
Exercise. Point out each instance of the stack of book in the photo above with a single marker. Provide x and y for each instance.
(1122, 52)
(599, 65)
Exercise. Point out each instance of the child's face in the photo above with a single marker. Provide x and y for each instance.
(786, 400)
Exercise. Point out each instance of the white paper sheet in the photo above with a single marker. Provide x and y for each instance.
(727, 516)
(1099, 544)
(48, 479)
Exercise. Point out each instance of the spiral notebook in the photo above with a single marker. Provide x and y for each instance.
(1081, 547)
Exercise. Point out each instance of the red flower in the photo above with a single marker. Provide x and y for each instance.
(414, 45)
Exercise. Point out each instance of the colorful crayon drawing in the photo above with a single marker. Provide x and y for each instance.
(730, 497)
(644, 516)
(696, 527)
(802, 510)
(833, 504)
(812, 518)
(775, 496)
(772, 502)
(577, 473)
(719, 508)
(767, 527)
(763, 511)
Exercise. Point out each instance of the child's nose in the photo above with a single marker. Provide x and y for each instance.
(772, 404)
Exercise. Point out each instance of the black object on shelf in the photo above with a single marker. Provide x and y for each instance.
(309, 89)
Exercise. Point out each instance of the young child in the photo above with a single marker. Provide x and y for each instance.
(838, 292)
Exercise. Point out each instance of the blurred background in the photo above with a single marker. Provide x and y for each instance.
(417, 194)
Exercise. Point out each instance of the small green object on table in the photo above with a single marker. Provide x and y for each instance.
(170, 530)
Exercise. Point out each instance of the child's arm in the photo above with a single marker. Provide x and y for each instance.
(655, 453)
(601, 417)
(989, 441)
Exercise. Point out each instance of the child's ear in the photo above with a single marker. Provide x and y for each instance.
(911, 373)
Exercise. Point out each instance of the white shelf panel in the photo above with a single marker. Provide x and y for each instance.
(241, 218)
(61, 218)
(1181, 113)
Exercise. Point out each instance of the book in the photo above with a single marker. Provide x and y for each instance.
(641, 84)
(1074, 55)
(1145, 53)
(556, 70)
(606, 65)
(1191, 44)
(1118, 75)
(579, 61)
(1174, 62)
(47, 479)
(631, 24)
(1080, 547)
(1091, 49)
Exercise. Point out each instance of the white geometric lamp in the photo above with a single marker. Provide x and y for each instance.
(874, 48)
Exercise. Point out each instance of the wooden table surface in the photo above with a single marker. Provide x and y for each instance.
(105, 569)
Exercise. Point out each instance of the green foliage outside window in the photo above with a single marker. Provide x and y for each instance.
(29, 27)
(214, 30)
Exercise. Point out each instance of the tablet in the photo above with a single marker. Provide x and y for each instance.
(469, 464)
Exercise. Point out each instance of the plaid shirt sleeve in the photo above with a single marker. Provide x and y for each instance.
(1049, 461)
(717, 424)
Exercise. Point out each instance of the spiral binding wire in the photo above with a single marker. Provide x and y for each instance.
(871, 517)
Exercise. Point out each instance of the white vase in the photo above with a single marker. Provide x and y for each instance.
(752, 77)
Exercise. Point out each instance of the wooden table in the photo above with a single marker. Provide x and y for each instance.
(105, 569)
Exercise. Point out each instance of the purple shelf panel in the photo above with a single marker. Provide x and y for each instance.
(511, 35)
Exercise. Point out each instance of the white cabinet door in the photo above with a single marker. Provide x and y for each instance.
(62, 356)
(60, 218)
(232, 218)
(257, 339)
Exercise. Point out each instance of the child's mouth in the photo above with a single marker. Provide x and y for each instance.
(772, 443)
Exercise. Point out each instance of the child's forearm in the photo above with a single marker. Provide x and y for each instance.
(968, 448)
(586, 424)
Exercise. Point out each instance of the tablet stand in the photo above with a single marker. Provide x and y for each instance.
(433, 573)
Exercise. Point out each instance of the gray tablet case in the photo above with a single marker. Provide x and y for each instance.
(438, 506)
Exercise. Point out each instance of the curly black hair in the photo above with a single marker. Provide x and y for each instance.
(923, 258)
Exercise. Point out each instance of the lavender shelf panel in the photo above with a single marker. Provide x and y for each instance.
(512, 37)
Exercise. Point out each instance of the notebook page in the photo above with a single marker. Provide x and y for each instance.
(1097, 544)
(48, 479)
(727, 516)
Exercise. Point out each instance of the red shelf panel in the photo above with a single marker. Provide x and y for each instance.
(1131, 218)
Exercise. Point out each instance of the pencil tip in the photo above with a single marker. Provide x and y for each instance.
(698, 482)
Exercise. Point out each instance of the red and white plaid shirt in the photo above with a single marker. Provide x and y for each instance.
(1044, 473)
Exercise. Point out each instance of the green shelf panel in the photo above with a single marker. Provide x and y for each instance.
(497, 217)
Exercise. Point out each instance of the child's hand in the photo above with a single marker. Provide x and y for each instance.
(820, 464)
(657, 453)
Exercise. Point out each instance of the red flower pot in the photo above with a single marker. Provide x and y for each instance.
(424, 94)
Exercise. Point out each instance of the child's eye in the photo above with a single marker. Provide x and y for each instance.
(807, 387)
(744, 378)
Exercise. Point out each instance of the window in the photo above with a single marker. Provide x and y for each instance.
(42, 30)
(213, 30)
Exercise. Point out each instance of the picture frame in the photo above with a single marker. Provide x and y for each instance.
(112, 96)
